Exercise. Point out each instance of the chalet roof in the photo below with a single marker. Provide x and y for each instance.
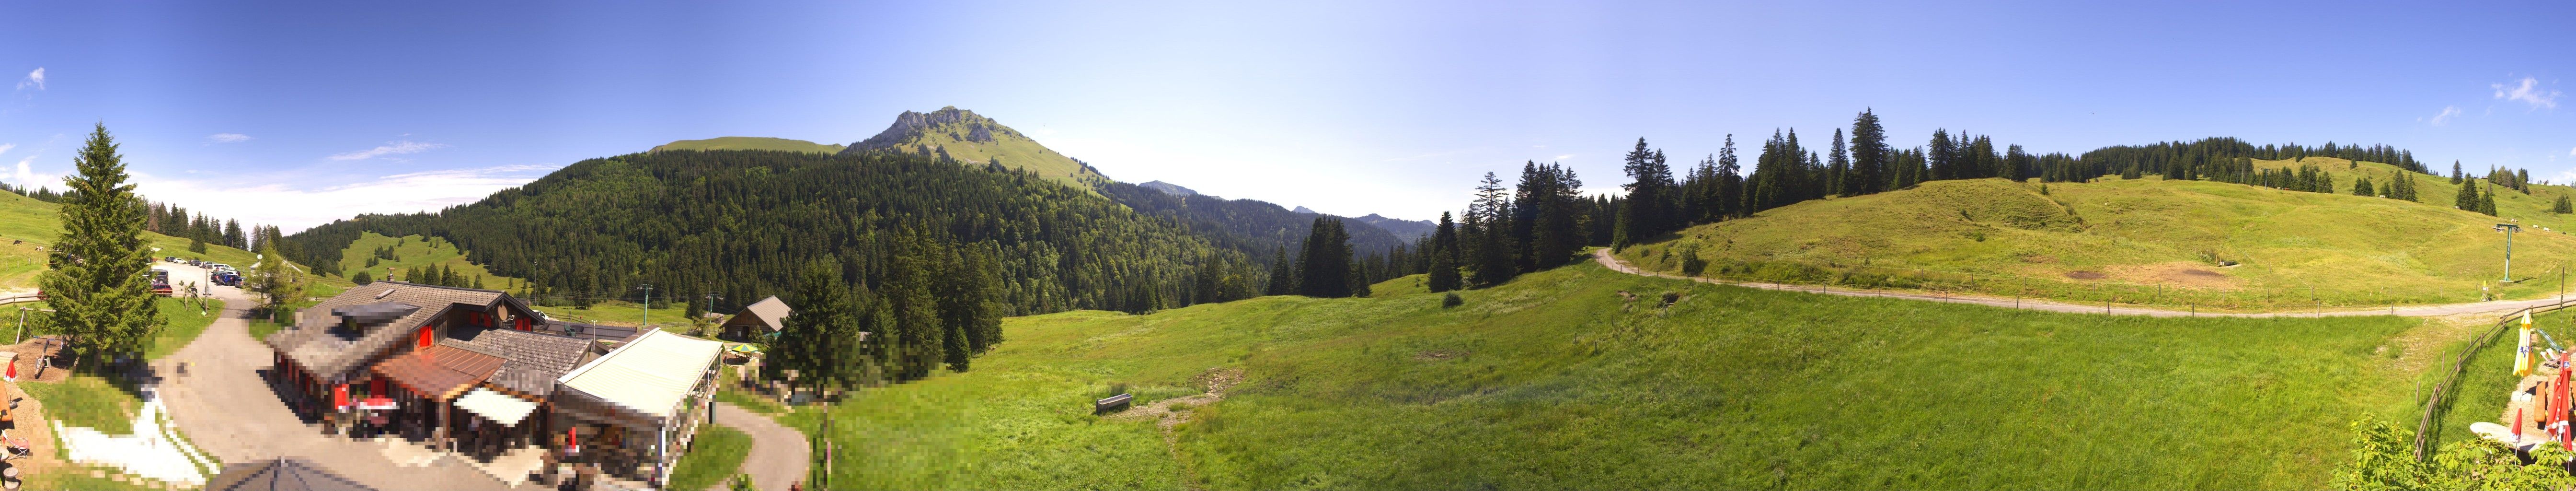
(649, 376)
(441, 372)
(323, 346)
(532, 359)
(771, 312)
(285, 474)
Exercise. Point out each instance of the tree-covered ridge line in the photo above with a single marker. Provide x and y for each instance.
(741, 224)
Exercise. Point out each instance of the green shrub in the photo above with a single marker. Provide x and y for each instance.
(1451, 300)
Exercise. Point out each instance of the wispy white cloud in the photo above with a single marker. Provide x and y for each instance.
(4, 147)
(227, 138)
(2528, 91)
(295, 208)
(34, 78)
(2571, 152)
(389, 148)
(1562, 158)
(2448, 112)
(27, 177)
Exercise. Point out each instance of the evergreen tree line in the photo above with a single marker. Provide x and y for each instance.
(1542, 222)
(931, 304)
(745, 224)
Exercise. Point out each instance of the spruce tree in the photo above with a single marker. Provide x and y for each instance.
(2562, 206)
(1729, 192)
(1324, 269)
(99, 282)
(2362, 187)
(1444, 256)
(1838, 180)
(2486, 201)
(1869, 155)
(1648, 195)
(2456, 176)
(2467, 199)
(1283, 279)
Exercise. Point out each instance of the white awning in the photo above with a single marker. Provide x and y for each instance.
(495, 406)
(650, 375)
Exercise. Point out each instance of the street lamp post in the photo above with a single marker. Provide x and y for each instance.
(2508, 230)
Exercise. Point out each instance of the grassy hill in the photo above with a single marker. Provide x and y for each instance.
(28, 225)
(751, 143)
(413, 253)
(2146, 241)
(973, 138)
(1554, 381)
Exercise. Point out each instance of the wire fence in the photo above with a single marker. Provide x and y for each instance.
(2439, 401)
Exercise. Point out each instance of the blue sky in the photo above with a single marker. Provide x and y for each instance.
(295, 114)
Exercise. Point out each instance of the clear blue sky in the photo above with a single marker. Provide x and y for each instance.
(294, 114)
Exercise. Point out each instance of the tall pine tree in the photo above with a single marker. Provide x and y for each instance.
(99, 284)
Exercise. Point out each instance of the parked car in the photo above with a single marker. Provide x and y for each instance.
(161, 282)
(227, 278)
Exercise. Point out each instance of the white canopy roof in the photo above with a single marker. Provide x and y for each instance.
(495, 406)
(650, 375)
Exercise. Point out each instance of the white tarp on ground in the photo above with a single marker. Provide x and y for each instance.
(149, 453)
(650, 375)
(495, 406)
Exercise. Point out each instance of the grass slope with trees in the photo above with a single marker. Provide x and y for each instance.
(1557, 380)
(2146, 240)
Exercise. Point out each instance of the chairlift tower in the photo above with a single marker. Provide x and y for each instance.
(2508, 230)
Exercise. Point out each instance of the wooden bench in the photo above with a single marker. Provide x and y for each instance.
(1113, 404)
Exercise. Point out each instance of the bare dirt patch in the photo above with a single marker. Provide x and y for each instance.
(1169, 413)
(2086, 275)
(2179, 273)
(1438, 355)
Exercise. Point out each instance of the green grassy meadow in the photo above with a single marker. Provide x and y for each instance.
(751, 143)
(1554, 382)
(28, 225)
(2144, 241)
(618, 313)
(413, 254)
(713, 456)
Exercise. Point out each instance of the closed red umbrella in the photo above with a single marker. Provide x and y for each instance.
(340, 396)
(572, 441)
(13, 371)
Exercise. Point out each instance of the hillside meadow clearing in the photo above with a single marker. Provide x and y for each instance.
(2141, 241)
(1555, 381)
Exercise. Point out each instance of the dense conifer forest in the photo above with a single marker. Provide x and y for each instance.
(745, 224)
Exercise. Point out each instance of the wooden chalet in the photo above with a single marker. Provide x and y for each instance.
(759, 319)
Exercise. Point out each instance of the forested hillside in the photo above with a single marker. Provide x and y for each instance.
(1254, 227)
(741, 223)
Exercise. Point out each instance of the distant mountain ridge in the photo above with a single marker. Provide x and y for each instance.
(750, 143)
(1400, 227)
(1169, 188)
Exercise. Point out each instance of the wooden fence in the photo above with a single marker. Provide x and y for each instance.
(2437, 403)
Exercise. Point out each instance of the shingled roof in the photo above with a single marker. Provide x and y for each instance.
(324, 347)
(771, 312)
(534, 359)
(441, 372)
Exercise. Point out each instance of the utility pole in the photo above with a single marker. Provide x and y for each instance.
(648, 306)
(2508, 230)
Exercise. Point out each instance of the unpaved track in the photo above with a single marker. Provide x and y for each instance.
(1603, 256)
(779, 455)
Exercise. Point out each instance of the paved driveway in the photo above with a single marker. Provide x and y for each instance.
(224, 404)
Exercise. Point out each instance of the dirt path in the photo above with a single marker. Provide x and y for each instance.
(779, 455)
(1168, 414)
(1603, 256)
